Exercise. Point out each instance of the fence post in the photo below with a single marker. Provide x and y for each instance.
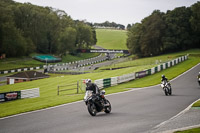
(58, 90)
(77, 86)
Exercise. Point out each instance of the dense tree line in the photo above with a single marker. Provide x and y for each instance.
(160, 32)
(27, 28)
(108, 24)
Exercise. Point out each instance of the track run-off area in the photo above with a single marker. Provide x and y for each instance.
(138, 110)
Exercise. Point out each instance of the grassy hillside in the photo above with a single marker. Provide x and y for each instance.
(111, 39)
(48, 87)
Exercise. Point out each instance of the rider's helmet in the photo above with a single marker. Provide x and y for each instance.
(87, 81)
(163, 76)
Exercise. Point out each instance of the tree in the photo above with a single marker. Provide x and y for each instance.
(152, 31)
(12, 43)
(178, 32)
(94, 36)
(174, 31)
(67, 40)
(195, 23)
(85, 37)
(110, 25)
(33, 22)
(134, 35)
(5, 18)
(128, 27)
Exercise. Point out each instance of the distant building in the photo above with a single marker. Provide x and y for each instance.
(25, 76)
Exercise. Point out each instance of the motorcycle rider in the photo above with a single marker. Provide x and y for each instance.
(94, 88)
(165, 79)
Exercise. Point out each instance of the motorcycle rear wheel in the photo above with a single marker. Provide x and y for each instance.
(170, 91)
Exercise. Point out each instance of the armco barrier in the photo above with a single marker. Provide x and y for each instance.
(14, 95)
(152, 70)
(106, 82)
(168, 64)
(113, 81)
(125, 78)
(148, 72)
(22, 69)
(103, 83)
(99, 83)
(141, 74)
(156, 69)
(8, 96)
(30, 93)
(159, 68)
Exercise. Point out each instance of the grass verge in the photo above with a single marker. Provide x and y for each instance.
(197, 104)
(195, 130)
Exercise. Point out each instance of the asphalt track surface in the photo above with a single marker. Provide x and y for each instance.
(139, 110)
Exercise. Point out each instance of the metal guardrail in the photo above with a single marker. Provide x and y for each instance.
(69, 64)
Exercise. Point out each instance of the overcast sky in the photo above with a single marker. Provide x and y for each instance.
(118, 11)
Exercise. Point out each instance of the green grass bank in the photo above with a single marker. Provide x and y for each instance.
(111, 39)
(195, 130)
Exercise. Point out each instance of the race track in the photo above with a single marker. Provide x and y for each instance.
(136, 111)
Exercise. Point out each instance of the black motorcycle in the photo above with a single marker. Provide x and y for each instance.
(96, 103)
(166, 87)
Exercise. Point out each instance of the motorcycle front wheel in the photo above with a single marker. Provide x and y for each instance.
(108, 108)
(166, 91)
(92, 109)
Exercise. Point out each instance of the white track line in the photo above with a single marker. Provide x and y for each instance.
(185, 72)
(40, 110)
(174, 117)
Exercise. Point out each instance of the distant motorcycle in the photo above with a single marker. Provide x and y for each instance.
(166, 87)
(96, 103)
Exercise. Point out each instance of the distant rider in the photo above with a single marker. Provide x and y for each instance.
(198, 77)
(165, 79)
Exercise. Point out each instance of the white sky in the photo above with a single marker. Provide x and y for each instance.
(118, 11)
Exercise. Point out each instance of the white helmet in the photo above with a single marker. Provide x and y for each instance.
(88, 81)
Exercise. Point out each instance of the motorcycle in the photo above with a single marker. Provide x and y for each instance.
(198, 77)
(166, 88)
(96, 103)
